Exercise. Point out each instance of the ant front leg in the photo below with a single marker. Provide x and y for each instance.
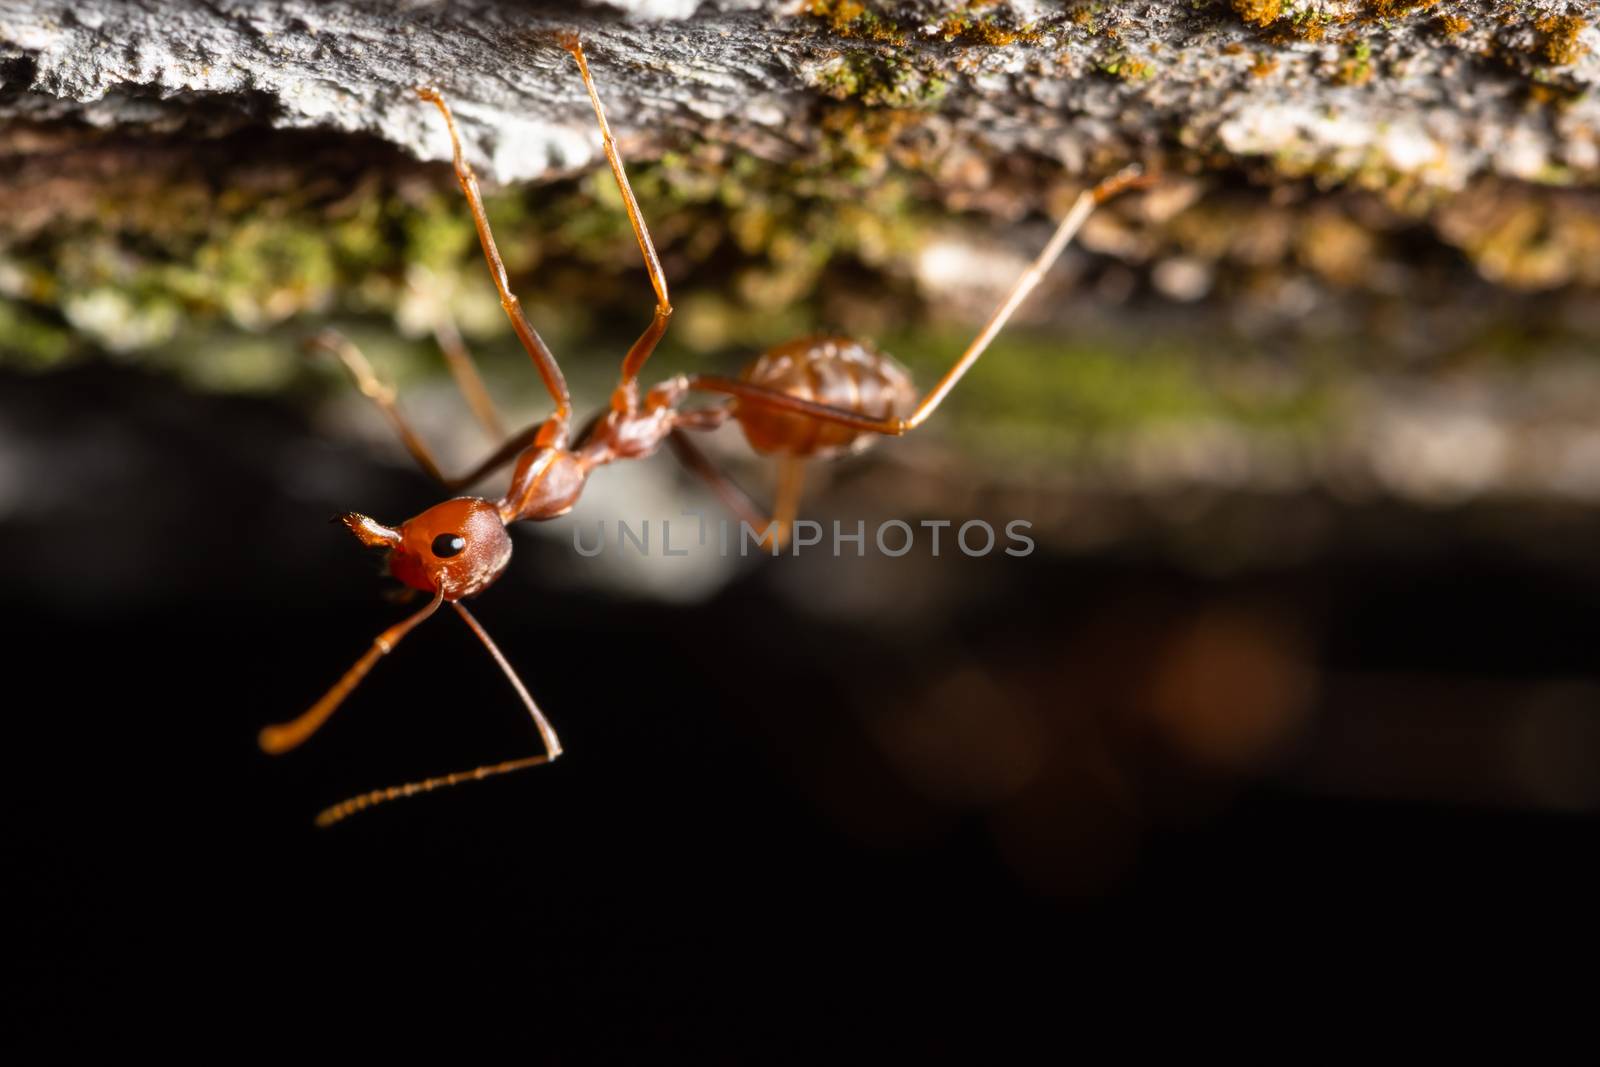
(626, 397)
(383, 394)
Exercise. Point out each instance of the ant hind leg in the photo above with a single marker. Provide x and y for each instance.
(772, 399)
(775, 529)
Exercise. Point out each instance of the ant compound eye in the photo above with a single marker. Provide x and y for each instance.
(447, 545)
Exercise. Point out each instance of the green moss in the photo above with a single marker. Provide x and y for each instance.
(1051, 387)
(230, 363)
(29, 340)
(437, 234)
(144, 271)
(1356, 67)
(882, 81)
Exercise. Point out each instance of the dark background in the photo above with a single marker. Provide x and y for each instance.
(723, 838)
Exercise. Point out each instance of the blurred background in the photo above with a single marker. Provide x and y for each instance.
(1306, 642)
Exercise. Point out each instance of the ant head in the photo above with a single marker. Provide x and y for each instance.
(460, 546)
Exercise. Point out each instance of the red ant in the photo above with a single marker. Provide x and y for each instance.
(811, 398)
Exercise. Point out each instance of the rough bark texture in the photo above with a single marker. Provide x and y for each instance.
(1440, 91)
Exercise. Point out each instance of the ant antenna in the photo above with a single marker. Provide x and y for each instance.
(346, 808)
(552, 744)
(282, 737)
(547, 733)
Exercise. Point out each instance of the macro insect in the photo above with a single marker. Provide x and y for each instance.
(812, 398)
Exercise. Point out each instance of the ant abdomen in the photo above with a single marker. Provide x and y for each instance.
(840, 372)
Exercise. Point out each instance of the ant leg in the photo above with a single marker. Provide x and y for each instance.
(555, 434)
(383, 394)
(552, 745)
(732, 495)
(770, 398)
(380, 393)
(456, 356)
(465, 371)
(282, 737)
(625, 398)
(791, 478)
(791, 475)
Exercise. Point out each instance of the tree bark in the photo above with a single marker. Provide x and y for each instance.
(1439, 92)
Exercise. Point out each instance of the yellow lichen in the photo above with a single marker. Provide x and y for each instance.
(965, 26)
(1561, 45)
(1553, 95)
(1258, 12)
(1308, 24)
(1392, 9)
(1454, 25)
(1126, 68)
(852, 18)
(1264, 65)
(838, 13)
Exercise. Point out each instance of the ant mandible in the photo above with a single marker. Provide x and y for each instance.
(811, 398)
